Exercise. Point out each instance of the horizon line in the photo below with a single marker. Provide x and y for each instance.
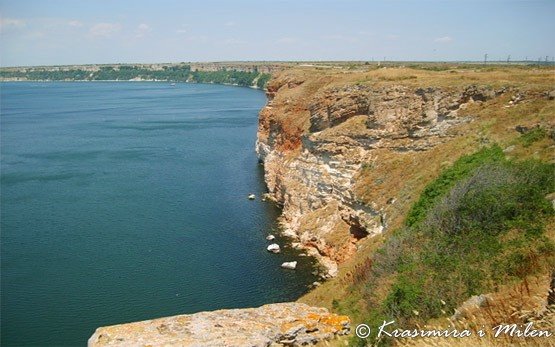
(512, 62)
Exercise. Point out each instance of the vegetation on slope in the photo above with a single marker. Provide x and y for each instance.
(479, 225)
(180, 73)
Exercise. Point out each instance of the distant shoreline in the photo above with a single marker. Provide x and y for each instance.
(122, 81)
(241, 75)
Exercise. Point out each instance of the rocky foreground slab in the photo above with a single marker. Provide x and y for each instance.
(291, 324)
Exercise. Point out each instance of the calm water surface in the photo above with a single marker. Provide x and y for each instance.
(127, 201)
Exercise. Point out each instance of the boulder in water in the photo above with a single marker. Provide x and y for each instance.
(289, 265)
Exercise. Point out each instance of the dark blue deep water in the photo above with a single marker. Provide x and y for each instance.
(127, 201)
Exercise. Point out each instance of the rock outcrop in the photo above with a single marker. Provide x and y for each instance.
(291, 324)
(316, 135)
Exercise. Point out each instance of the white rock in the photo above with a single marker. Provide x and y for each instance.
(296, 245)
(252, 196)
(289, 265)
(270, 237)
(274, 248)
(509, 149)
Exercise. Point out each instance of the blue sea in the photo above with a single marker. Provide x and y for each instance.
(126, 201)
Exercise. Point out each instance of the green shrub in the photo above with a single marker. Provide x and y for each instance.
(495, 197)
(460, 169)
(263, 80)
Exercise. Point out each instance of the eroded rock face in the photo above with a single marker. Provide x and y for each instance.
(291, 324)
(389, 114)
(314, 144)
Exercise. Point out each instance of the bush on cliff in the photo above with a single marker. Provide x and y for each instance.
(448, 178)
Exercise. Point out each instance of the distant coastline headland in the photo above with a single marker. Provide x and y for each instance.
(246, 75)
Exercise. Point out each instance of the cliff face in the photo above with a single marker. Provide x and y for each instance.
(321, 134)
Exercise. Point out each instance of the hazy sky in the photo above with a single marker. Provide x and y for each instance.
(48, 32)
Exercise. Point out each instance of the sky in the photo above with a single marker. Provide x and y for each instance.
(57, 32)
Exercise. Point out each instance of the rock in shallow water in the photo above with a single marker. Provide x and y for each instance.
(275, 324)
(274, 248)
(292, 265)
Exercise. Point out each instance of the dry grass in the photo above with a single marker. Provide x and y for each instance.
(524, 79)
(517, 304)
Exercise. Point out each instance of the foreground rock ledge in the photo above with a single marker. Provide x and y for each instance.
(291, 324)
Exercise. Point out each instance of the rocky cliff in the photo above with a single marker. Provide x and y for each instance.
(323, 137)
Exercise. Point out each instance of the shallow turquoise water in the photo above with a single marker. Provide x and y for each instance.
(127, 201)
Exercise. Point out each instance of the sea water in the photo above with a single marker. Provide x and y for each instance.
(126, 201)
